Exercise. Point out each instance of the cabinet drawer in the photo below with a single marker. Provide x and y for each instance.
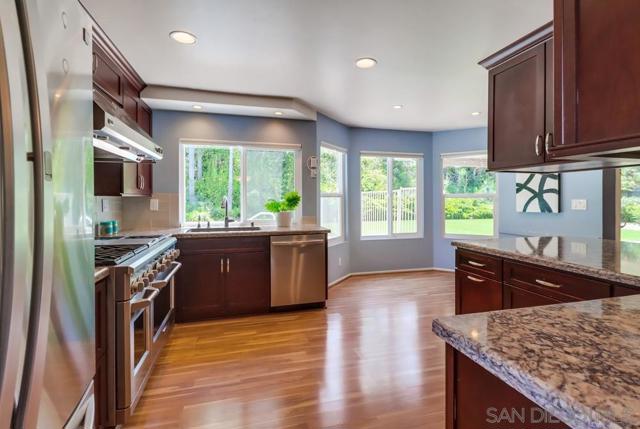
(475, 294)
(223, 245)
(478, 263)
(553, 283)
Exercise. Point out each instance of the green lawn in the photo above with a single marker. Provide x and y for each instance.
(630, 234)
(469, 227)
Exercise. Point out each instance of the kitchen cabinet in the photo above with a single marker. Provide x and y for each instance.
(104, 354)
(107, 75)
(475, 294)
(597, 96)
(128, 179)
(117, 80)
(472, 393)
(520, 112)
(222, 277)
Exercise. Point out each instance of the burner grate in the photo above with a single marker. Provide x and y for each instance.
(115, 255)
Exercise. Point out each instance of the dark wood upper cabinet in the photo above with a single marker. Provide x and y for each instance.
(144, 116)
(597, 96)
(131, 99)
(127, 179)
(107, 76)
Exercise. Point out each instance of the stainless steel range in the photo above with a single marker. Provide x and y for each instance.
(142, 270)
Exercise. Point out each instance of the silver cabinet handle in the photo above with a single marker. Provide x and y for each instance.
(141, 182)
(548, 142)
(221, 265)
(548, 284)
(228, 265)
(475, 279)
(476, 264)
(537, 145)
(297, 243)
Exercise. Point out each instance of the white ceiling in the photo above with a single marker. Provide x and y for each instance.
(427, 52)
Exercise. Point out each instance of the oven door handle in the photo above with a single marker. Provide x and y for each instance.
(160, 284)
(145, 302)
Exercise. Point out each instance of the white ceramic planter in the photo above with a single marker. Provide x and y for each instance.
(283, 219)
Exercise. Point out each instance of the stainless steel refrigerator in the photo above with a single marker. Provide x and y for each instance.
(47, 360)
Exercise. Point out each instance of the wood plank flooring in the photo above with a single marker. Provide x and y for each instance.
(369, 361)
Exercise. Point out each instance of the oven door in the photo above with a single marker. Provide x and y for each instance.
(135, 347)
(164, 303)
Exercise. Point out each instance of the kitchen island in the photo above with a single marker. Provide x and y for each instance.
(509, 354)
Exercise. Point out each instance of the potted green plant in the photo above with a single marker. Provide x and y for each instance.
(284, 208)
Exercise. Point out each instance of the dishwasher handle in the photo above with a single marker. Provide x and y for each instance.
(298, 243)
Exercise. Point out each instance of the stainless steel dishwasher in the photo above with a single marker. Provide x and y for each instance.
(298, 270)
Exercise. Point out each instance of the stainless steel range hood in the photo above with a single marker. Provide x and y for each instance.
(116, 138)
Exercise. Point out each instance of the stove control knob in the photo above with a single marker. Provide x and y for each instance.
(151, 274)
(176, 253)
(137, 286)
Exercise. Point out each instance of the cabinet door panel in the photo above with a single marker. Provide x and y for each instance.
(517, 110)
(481, 397)
(145, 172)
(200, 287)
(476, 294)
(130, 102)
(515, 297)
(597, 69)
(144, 116)
(247, 282)
(107, 76)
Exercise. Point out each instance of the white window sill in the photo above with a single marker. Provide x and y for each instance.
(336, 241)
(467, 237)
(391, 237)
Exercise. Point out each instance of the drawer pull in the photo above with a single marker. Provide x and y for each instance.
(548, 284)
(476, 264)
(475, 279)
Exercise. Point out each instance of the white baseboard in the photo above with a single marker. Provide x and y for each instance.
(404, 270)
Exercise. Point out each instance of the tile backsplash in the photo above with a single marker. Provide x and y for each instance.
(137, 213)
(108, 208)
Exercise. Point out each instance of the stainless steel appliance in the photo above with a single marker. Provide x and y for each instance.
(298, 270)
(143, 270)
(116, 137)
(47, 334)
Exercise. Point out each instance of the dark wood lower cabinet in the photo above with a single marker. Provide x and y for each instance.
(222, 277)
(100, 382)
(247, 283)
(200, 293)
(514, 297)
(485, 401)
(477, 399)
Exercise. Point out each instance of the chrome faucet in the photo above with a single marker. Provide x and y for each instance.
(225, 206)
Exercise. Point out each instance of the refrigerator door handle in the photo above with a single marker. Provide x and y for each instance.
(26, 413)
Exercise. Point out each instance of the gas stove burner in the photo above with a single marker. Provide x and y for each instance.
(116, 255)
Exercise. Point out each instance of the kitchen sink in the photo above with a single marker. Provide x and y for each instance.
(227, 229)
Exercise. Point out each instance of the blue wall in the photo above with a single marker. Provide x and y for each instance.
(473, 139)
(333, 132)
(376, 255)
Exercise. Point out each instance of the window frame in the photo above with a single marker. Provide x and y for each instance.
(243, 146)
(444, 196)
(390, 156)
(342, 195)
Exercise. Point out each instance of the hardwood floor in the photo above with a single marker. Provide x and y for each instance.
(369, 360)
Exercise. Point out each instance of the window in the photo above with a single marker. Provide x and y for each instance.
(469, 195)
(629, 200)
(332, 169)
(247, 175)
(390, 195)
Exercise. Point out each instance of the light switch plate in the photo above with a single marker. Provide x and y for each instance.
(578, 204)
(154, 204)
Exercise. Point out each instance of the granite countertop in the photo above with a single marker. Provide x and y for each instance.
(267, 230)
(100, 273)
(579, 361)
(605, 259)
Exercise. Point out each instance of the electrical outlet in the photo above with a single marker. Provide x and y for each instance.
(579, 204)
(339, 261)
(154, 204)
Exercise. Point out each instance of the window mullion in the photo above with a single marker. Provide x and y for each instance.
(243, 184)
(390, 196)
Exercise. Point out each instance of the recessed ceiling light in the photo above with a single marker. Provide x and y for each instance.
(278, 113)
(183, 37)
(475, 113)
(398, 106)
(366, 63)
(197, 107)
